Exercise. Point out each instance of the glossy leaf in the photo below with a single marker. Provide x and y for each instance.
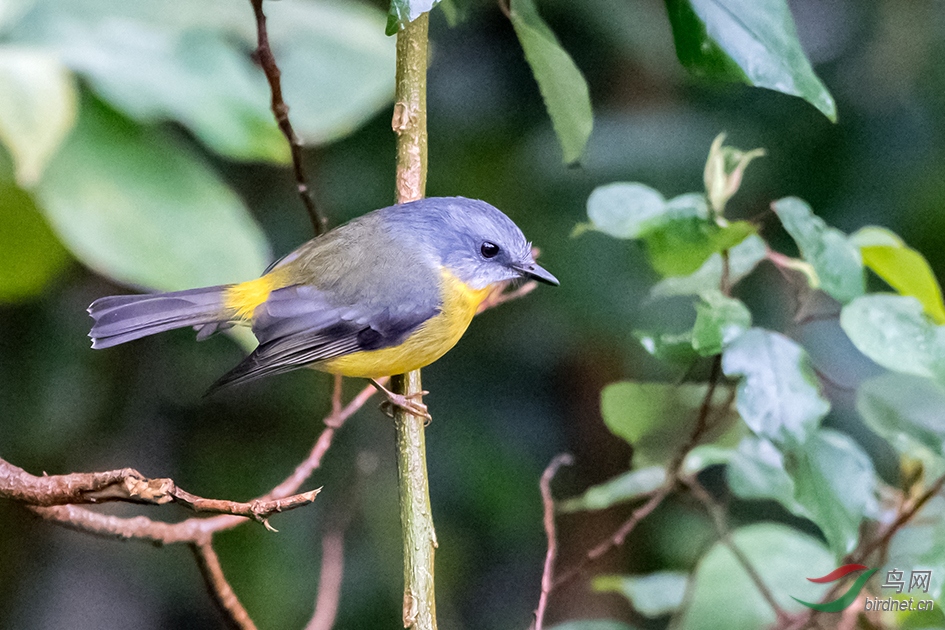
(907, 411)
(895, 332)
(562, 85)
(653, 595)
(679, 247)
(835, 482)
(655, 418)
(751, 41)
(668, 346)
(920, 546)
(721, 593)
(836, 260)
(742, 259)
(719, 321)
(37, 109)
(147, 212)
(403, 12)
(622, 488)
(623, 209)
(757, 471)
(778, 394)
(905, 269)
(30, 254)
(169, 61)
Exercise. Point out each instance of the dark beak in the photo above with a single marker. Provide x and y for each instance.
(535, 272)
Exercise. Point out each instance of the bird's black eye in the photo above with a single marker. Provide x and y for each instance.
(489, 249)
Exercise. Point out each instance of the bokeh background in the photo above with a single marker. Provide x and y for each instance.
(524, 383)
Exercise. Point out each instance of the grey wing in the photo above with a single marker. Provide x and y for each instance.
(296, 326)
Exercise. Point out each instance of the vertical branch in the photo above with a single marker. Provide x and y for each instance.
(223, 596)
(280, 110)
(548, 502)
(419, 538)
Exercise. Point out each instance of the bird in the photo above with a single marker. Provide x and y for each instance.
(388, 292)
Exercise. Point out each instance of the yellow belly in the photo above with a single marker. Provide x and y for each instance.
(427, 344)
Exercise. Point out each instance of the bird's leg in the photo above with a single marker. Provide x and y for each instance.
(406, 403)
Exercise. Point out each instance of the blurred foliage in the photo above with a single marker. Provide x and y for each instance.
(137, 139)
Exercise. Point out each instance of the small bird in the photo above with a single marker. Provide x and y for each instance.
(386, 293)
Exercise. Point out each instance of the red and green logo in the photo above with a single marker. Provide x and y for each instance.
(847, 598)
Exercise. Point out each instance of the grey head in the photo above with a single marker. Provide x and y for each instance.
(475, 241)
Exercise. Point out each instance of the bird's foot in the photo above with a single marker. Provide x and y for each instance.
(405, 402)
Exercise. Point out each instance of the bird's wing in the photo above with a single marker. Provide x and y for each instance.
(297, 326)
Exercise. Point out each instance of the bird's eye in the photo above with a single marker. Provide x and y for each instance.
(489, 249)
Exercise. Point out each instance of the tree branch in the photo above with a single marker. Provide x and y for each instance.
(656, 498)
(280, 110)
(409, 122)
(222, 593)
(548, 504)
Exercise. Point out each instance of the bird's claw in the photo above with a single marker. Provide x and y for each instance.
(406, 402)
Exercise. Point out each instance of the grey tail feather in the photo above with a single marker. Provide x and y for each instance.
(121, 318)
(250, 369)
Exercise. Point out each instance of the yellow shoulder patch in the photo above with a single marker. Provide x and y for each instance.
(243, 298)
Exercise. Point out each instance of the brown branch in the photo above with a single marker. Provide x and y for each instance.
(548, 504)
(280, 110)
(329, 581)
(656, 498)
(807, 618)
(220, 590)
(721, 527)
(130, 486)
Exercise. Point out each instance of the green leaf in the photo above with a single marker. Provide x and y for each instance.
(622, 488)
(829, 480)
(723, 595)
(680, 246)
(30, 254)
(653, 595)
(668, 346)
(778, 395)
(894, 332)
(37, 110)
(836, 260)
(742, 259)
(905, 269)
(757, 471)
(750, 41)
(705, 455)
(719, 321)
(403, 12)
(655, 418)
(144, 211)
(907, 411)
(168, 61)
(835, 482)
(920, 546)
(562, 85)
(591, 624)
(623, 209)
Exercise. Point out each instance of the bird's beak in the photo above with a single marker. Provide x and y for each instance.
(535, 272)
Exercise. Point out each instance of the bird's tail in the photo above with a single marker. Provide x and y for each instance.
(121, 318)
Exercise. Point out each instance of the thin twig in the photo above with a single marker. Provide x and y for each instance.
(721, 527)
(222, 593)
(329, 581)
(656, 498)
(548, 503)
(280, 110)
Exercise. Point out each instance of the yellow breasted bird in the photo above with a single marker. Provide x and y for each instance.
(386, 293)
